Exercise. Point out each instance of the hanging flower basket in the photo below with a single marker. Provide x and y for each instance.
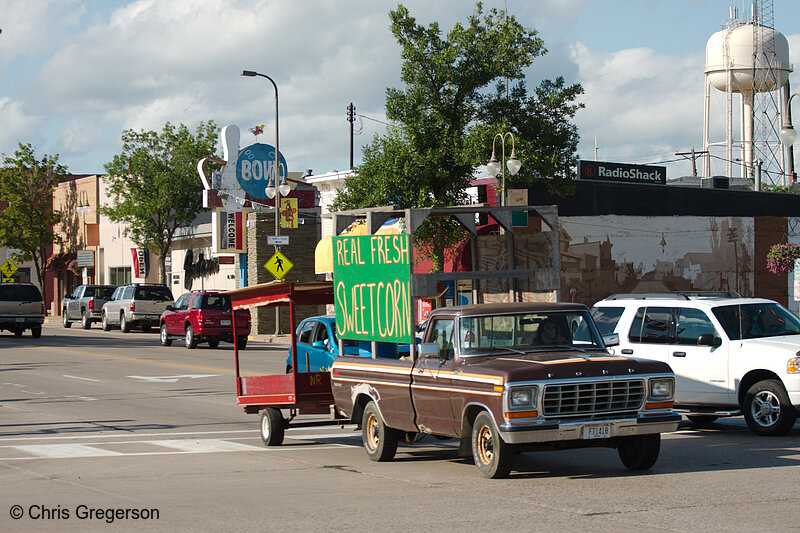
(781, 257)
(73, 266)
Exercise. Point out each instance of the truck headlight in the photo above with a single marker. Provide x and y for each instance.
(522, 397)
(662, 389)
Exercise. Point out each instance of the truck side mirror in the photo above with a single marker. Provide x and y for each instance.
(709, 339)
(611, 339)
(429, 349)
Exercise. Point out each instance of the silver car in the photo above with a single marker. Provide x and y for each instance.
(136, 305)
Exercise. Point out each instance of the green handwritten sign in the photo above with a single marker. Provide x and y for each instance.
(372, 284)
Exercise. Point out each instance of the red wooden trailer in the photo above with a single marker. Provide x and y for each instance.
(300, 393)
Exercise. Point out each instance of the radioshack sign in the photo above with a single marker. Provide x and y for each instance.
(605, 171)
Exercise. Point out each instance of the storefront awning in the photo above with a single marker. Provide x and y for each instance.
(323, 253)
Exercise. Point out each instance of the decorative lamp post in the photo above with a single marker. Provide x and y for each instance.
(495, 167)
(788, 136)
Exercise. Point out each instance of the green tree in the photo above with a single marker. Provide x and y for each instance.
(155, 185)
(443, 119)
(547, 140)
(26, 187)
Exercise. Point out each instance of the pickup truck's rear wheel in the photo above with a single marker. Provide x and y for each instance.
(380, 441)
(213, 343)
(106, 323)
(493, 457)
(36, 332)
(65, 319)
(124, 325)
(272, 427)
(86, 321)
(165, 339)
(767, 408)
(640, 452)
(241, 342)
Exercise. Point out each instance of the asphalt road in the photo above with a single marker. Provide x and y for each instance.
(95, 422)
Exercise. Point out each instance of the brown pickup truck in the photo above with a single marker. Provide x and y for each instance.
(505, 378)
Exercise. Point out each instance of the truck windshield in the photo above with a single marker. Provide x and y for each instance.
(528, 332)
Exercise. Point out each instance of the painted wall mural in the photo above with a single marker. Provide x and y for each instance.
(618, 254)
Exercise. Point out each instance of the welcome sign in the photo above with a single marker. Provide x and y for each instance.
(372, 288)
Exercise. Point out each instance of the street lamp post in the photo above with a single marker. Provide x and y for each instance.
(788, 136)
(276, 190)
(494, 166)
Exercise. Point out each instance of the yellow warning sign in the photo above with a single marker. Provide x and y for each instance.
(8, 280)
(8, 268)
(278, 265)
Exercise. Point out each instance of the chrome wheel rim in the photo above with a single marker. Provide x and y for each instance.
(765, 408)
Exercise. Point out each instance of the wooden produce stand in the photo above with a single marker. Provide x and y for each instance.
(300, 393)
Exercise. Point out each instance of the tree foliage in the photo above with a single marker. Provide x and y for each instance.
(444, 120)
(26, 187)
(155, 185)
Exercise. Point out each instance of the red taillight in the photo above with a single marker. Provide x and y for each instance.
(132, 307)
(91, 305)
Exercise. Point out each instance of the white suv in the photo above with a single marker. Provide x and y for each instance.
(730, 355)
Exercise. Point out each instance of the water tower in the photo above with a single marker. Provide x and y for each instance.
(748, 59)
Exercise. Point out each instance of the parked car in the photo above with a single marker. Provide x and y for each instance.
(730, 355)
(318, 345)
(136, 305)
(85, 304)
(203, 316)
(21, 308)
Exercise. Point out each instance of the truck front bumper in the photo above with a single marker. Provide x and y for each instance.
(549, 431)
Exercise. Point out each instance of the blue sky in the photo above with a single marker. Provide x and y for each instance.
(74, 74)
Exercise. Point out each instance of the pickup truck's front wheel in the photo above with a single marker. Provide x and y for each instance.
(640, 452)
(65, 320)
(493, 457)
(380, 441)
(767, 408)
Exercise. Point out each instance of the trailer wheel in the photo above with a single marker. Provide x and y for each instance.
(380, 441)
(493, 457)
(272, 427)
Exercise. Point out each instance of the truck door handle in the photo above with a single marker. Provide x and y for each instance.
(679, 354)
(627, 351)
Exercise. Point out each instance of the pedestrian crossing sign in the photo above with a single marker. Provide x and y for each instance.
(8, 268)
(278, 265)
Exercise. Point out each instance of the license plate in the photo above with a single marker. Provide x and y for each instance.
(224, 322)
(596, 431)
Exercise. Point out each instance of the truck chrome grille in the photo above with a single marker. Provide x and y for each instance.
(570, 399)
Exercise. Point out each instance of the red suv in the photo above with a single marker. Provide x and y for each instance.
(203, 316)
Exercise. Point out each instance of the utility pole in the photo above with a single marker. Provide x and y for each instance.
(694, 155)
(351, 117)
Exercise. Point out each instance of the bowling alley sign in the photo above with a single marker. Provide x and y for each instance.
(255, 170)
